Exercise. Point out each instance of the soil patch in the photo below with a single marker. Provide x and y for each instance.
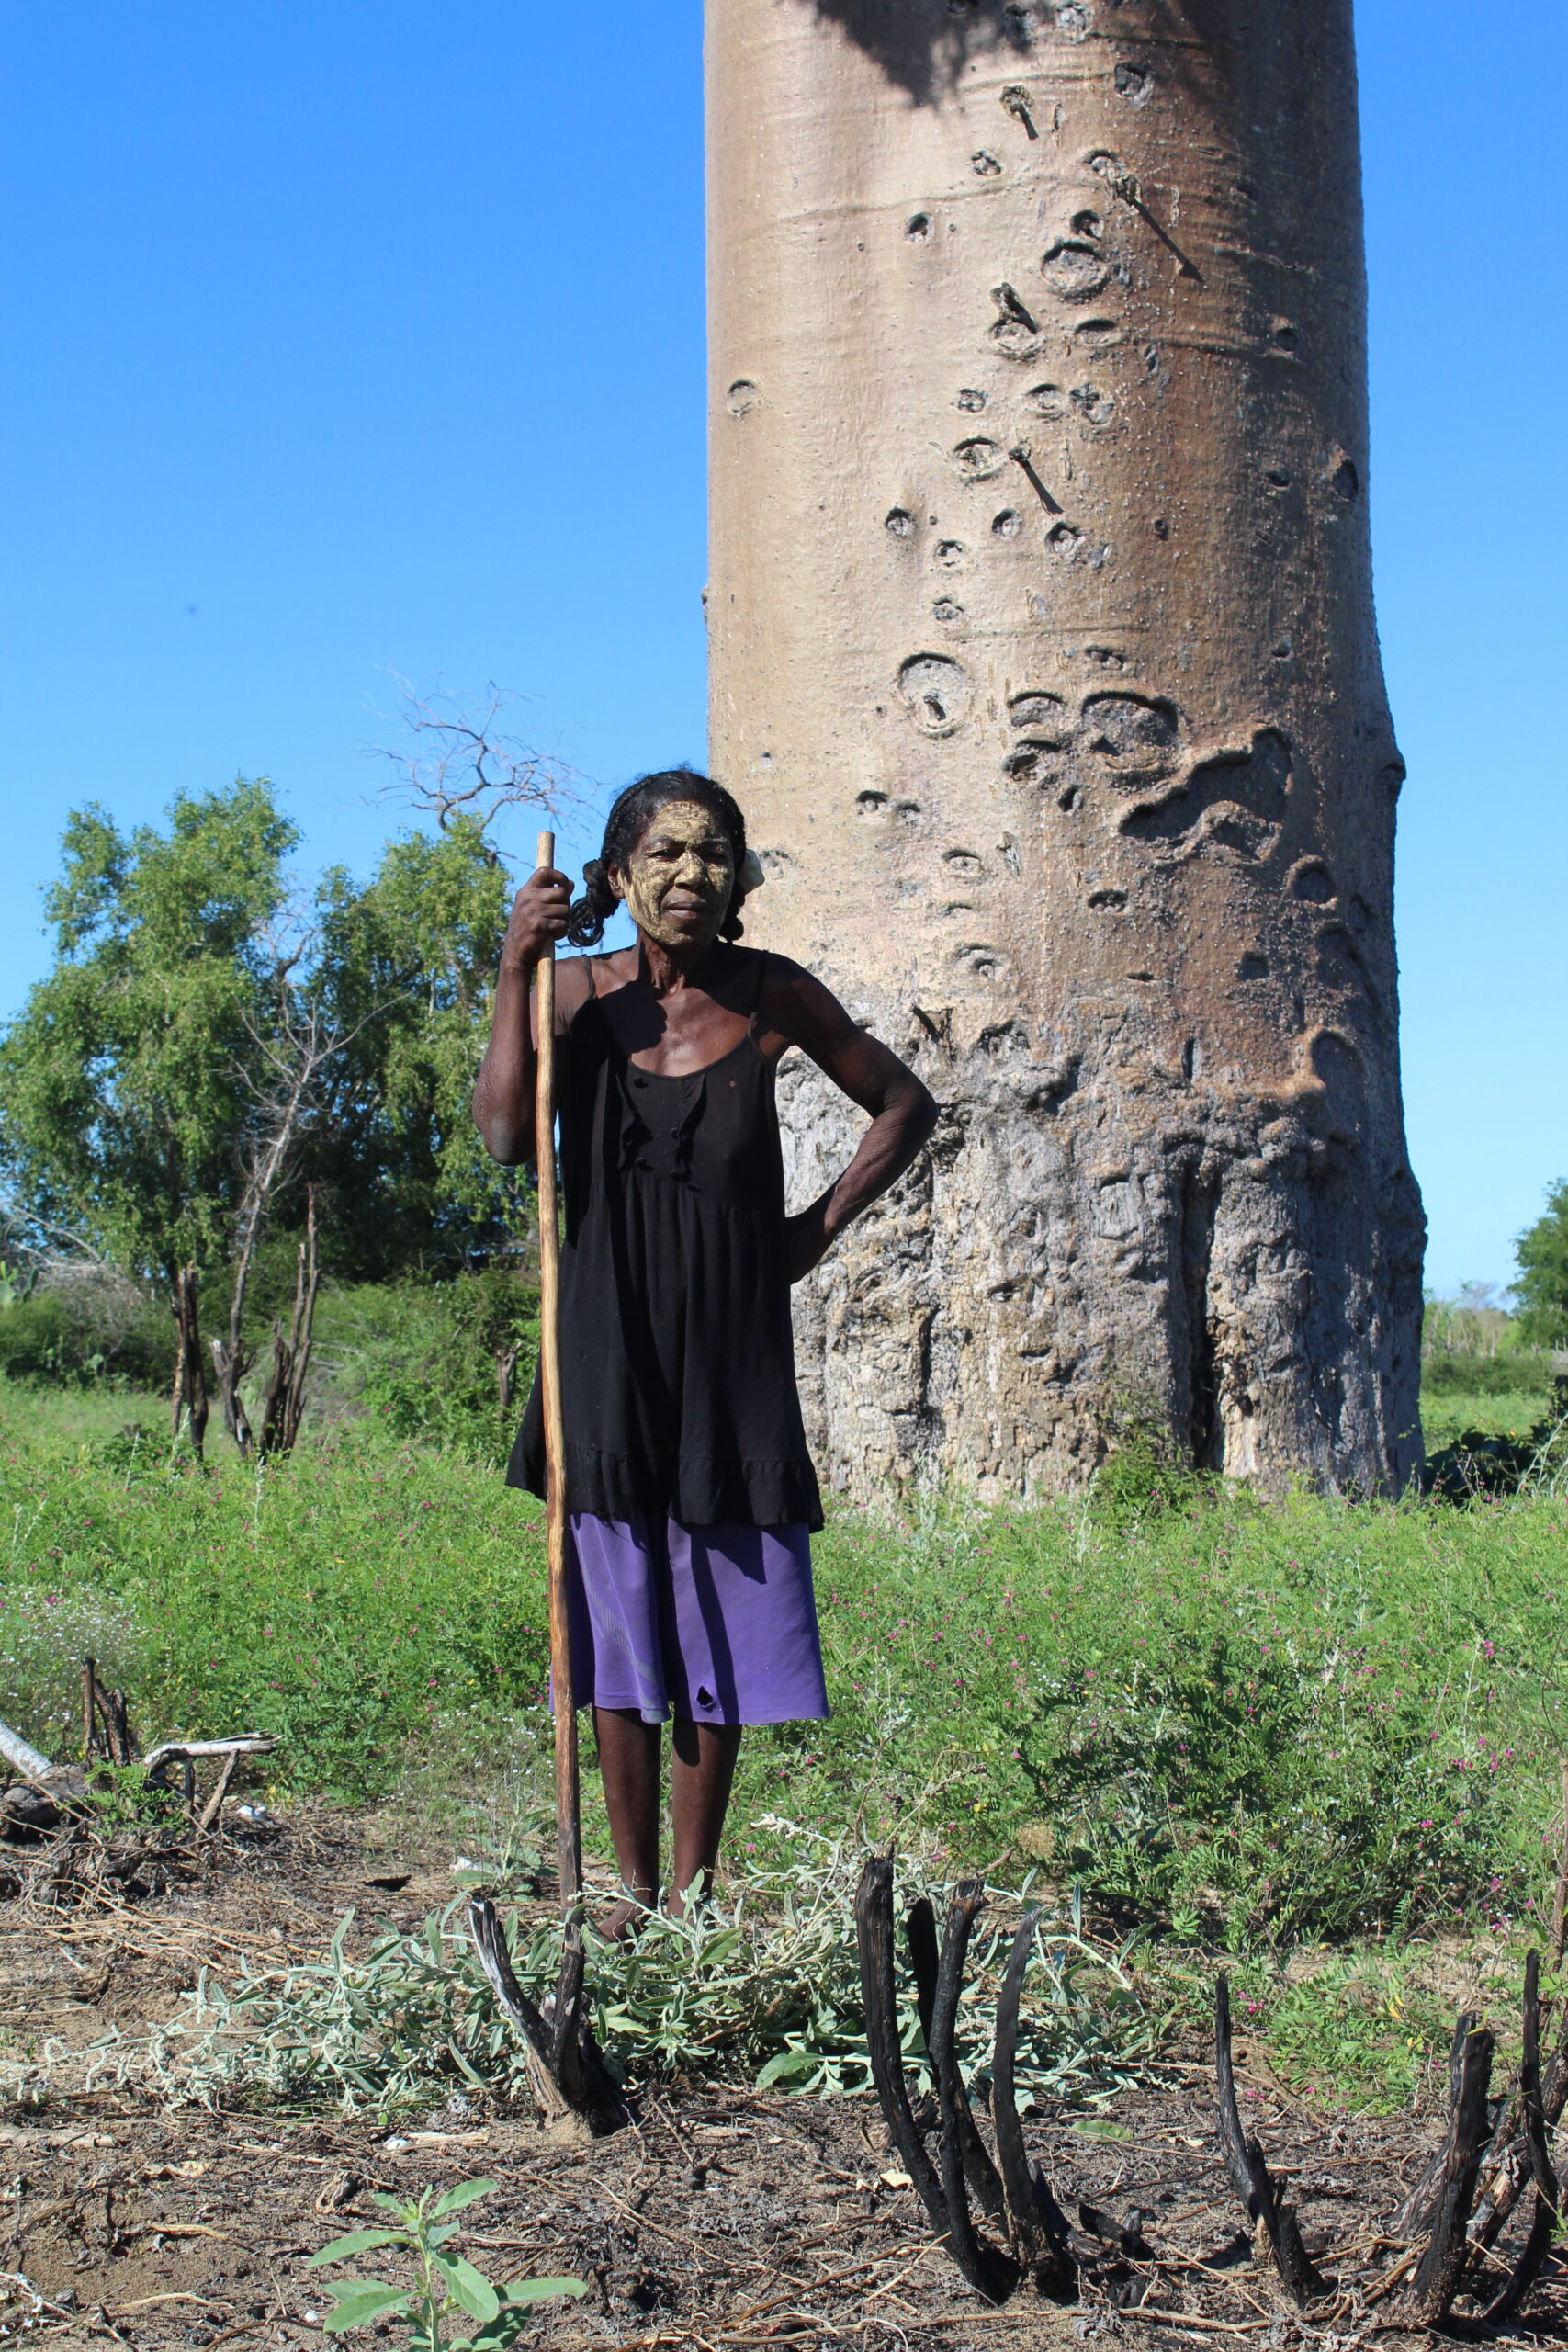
(718, 2216)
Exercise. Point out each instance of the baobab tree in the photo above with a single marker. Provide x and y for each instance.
(1044, 660)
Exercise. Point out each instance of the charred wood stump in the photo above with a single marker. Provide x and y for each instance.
(567, 2073)
(1008, 2190)
(1414, 2215)
(1035, 2221)
(964, 2162)
(873, 1934)
(963, 2186)
(1262, 2195)
(1506, 2167)
(1544, 2226)
(1442, 2266)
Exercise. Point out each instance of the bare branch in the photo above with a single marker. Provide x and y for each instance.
(29, 1239)
(294, 1050)
(462, 763)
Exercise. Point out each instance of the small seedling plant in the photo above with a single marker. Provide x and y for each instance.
(450, 2292)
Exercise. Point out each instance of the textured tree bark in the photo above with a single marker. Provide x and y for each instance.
(1043, 663)
(190, 1376)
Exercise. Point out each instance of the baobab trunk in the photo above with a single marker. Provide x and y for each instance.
(1044, 665)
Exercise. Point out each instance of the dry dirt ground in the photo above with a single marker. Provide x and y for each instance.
(718, 2216)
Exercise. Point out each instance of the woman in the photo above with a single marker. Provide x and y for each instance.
(690, 1492)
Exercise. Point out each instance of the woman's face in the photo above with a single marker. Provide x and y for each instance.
(679, 881)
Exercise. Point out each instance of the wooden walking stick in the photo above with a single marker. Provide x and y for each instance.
(562, 2045)
(569, 1801)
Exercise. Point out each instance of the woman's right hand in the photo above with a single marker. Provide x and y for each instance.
(537, 920)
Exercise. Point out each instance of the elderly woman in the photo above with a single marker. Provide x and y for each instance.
(690, 1492)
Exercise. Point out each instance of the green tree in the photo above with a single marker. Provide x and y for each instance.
(405, 964)
(1542, 1286)
(132, 1076)
(208, 1077)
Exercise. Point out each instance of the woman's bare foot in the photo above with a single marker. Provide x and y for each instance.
(622, 1921)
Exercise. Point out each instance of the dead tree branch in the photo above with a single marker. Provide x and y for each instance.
(1442, 2266)
(1543, 2226)
(461, 764)
(188, 1401)
(296, 1050)
(1254, 2184)
(282, 1408)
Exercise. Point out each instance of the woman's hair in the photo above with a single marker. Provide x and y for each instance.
(630, 818)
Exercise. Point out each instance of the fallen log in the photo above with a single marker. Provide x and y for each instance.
(45, 1794)
(23, 1757)
(185, 1751)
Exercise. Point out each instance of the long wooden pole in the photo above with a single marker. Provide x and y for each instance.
(569, 1807)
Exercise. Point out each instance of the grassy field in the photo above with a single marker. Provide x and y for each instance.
(1511, 1413)
(1505, 1395)
(1314, 1728)
(1286, 1720)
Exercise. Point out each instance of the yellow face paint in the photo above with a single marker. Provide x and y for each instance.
(680, 879)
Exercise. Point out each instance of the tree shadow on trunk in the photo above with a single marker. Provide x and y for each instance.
(924, 45)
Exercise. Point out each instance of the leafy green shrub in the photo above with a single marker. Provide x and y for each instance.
(1233, 1720)
(1364, 2023)
(425, 1359)
(765, 1988)
(1145, 1470)
(1234, 1793)
(1512, 1372)
(1139, 1479)
(1543, 1286)
(85, 1331)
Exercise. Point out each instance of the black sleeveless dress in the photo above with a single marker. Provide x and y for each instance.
(678, 1391)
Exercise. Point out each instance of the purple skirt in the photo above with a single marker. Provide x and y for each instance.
(710, 1624)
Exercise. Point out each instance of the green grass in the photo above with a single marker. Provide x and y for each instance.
(1369, 2027)
(1504, 1394)
(1236, 1724)
(347, 1599)
(85, 1416)
(1450, 1413)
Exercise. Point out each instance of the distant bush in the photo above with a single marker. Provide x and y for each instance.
(448, 1364)
(1472, 1323)
(1521, 1372)
(83, 1329)
(1542, 1286)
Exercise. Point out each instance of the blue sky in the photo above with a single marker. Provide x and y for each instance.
(340, 341)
